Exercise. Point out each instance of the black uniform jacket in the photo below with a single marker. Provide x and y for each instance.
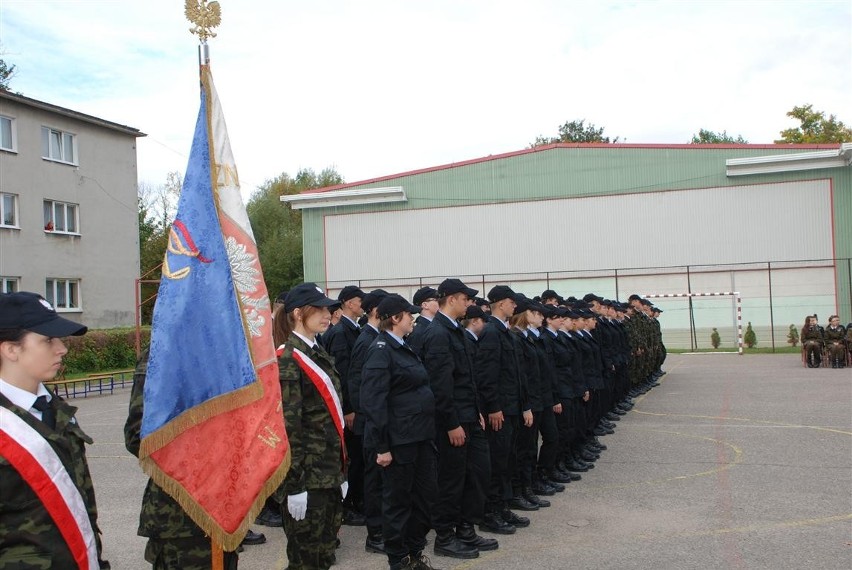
(592, 361)
(528, 357)
(574, 382)
(500, 379)
(359, 353)
(339, 341)
(395, 396)
(447, 354)
(415, 339)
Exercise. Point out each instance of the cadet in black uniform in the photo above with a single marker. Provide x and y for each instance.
(427, 299)
(463, 462)
(339, 341)
(503, 391)
(400, 410)
(372, 480)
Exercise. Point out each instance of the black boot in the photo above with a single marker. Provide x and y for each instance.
(447, 544)
(375, 541)
(466, 533)
(520, 503)
(513, 519)
(493, 522)
(530, 496)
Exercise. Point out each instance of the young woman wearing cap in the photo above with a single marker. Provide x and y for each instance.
(47, 500)
(400, 410)
(310, 389)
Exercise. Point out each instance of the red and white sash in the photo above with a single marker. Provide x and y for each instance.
(322, 382)
(37, 463)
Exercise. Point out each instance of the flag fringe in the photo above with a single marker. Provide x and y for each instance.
(199, 414)
(229, 541)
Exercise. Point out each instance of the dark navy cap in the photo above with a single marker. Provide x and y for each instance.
(424, 293)
(30, 311)
(452, 286)
(474, 312)
(551, 294)
(393, 304)
(589, 297)
(500, 292)
(481, 302)
(522, 303)
(550, 312)
(281, 296)
(634, 297)
(349, 292)
(371, 300)
(308, 295)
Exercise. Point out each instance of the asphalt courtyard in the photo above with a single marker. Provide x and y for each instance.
(733, 462)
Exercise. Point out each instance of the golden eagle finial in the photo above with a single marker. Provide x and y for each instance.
(205, 16)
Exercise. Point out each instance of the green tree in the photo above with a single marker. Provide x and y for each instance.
(793, 336)
(815, 128)
(157, 209)
(710, 137)
(278, 228)
(575, 132)
(7, 71)
(749, 338)
(715, 339)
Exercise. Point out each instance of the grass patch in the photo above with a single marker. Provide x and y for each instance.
(756, 350)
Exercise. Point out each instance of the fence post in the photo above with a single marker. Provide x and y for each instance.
(771, 310)
(693, 335)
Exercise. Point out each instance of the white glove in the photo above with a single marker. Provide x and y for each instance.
(298, 505)
(344, 488)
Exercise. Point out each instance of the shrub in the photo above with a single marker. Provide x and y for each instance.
(793, 336)
(715, 339)
(103, 350)
(749, 338)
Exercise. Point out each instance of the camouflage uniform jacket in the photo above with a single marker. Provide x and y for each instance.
(161, 516)
(28, 536)
(316, 462)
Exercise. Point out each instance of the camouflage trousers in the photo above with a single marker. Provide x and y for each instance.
(191, 553)
(311, 542)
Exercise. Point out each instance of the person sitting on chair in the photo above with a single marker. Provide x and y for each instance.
(812, 342)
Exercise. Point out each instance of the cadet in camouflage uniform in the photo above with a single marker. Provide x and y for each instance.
(30, 353)
(175, 542)
(311, 493)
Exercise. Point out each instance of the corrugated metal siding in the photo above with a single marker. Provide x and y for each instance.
(708, 226)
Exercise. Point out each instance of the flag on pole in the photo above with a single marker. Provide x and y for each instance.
(213, 430)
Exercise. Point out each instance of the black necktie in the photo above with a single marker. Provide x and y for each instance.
(48, 414)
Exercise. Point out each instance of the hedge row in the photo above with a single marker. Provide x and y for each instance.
(98, 350)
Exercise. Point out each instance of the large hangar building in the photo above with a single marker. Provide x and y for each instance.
(770, 222)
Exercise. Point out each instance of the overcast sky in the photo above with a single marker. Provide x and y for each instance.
(373, 87)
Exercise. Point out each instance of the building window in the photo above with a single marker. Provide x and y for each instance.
(8, 210)
(63, 294)
(58, 145)
(8, 284)
(8, 136)
(60, 217)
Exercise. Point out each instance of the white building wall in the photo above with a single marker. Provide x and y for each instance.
(707, 226)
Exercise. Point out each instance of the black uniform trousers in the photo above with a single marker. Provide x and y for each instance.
(372, 490)
(355, 473)
(503, 445)
(464, 474)
(549, 431)
(409, 487)
(527, 442)
(572, 424)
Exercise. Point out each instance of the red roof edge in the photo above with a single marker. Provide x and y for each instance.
(613, 146)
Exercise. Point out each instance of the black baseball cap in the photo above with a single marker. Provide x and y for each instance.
(308, 294)
(452, 286)
(30, 311)
(500, 292)
(522, 303)
(281, 296)
(589, 297)
(474, 312)
(480, 302)
(551, 294)
(424, 293)
(349, 292)
(371, 300)
(393, 304)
